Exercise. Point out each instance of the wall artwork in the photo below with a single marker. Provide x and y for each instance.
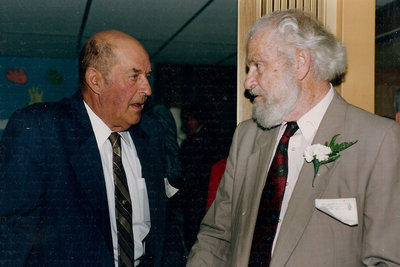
(16, 76)
(31, 80)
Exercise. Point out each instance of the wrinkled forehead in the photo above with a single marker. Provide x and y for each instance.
(260, 43)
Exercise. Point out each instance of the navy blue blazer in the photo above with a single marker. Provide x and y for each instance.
(53, 204)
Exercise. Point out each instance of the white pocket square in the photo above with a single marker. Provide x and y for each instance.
(169, 189)
(342, 209)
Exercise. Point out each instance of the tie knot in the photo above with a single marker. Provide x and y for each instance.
(115, 139)
(291, 128)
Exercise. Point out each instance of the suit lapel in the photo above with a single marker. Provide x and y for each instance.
(140, 139)
(86, 163)
(256, 171)
(261, 159)
(148, 148)
(302, 202)
(257, 167)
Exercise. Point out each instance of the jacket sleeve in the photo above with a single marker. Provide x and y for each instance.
(381, 245)
(20, 190)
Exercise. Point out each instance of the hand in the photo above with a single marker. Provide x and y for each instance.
(35, 95)
(17, 76)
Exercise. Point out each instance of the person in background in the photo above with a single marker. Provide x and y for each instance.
(173, 168)
(397, 105)
(199, 151)
(173, 182)
(218, 168)
(82, 180)
(311, 180)
(217, 171)
(176, 113)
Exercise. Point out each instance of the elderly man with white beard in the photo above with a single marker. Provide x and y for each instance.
(311, 180)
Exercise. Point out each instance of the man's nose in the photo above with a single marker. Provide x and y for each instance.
(145, 87)
(249, 82)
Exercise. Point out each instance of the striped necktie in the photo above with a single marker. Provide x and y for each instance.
(123, 206)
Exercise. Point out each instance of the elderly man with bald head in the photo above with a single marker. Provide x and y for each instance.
(60, 204)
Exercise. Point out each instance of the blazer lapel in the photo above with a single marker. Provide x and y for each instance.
(261, 158)
(140, 139)
(86, 163)
(250, 195)
(302, 202)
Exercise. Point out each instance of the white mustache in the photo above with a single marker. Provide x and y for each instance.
(256, 91)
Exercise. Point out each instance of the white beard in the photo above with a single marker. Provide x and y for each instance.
(272, 108)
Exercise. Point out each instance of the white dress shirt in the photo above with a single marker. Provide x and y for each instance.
(308, 126)
(136, 183)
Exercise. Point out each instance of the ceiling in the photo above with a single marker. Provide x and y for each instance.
(381, 3)
(201, 32)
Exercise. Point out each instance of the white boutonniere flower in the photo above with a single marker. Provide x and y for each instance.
(321, 154)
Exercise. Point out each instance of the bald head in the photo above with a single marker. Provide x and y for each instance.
(115, 37)
(101, 51)
(113, 71)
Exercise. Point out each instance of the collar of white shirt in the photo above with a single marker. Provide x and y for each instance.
(102, 131)
(309, 122)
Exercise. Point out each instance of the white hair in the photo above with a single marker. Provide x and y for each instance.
(295, 29)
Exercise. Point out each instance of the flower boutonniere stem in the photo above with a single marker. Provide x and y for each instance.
(322, 154)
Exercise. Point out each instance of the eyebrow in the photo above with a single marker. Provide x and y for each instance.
(140, 71)
(250, 61)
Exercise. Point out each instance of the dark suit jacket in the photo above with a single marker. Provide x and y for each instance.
(53, 204)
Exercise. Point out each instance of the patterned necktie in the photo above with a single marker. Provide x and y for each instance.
(271, 201)
(123, 206)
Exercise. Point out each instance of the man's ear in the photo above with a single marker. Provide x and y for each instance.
(303, 63)
(94, 80)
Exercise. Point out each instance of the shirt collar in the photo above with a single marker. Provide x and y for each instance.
(101, 130)
(309, 122)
